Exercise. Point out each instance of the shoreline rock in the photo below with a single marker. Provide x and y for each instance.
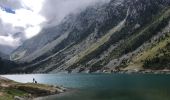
(139, 71)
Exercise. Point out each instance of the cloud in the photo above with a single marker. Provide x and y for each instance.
(14, 4)
(9, 41)
(23, 19)
(56, 10)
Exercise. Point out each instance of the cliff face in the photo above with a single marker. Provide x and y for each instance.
(105, 36)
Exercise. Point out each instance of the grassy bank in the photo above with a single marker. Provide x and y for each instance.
(10, 90)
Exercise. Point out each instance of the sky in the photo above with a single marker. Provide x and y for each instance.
(23, 19)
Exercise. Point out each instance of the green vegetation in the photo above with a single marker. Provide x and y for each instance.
(9, 94)
(136, 40)
(96, 48)
(37, 89)
(160, 60)
(156, 55)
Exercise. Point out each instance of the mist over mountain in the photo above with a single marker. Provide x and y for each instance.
(29, 17)
(56, 10)
(97, 36)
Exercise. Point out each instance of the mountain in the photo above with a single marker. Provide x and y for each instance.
(4, 56)
(121, 34)
(5, 51)
(7, 66)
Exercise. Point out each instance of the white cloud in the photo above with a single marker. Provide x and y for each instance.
(32, 31)
(22, 18)
(56, 10)
(9, 41)
(14, 4)
(34, 5)
(26, 20)
(31, 15)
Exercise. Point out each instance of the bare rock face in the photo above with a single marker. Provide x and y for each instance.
(101, 37)
(18, 98)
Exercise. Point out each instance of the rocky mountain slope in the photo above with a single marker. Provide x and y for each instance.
(121, 34)
(7, 66)
(4, 56)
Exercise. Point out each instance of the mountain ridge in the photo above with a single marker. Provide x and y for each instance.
(89, 41)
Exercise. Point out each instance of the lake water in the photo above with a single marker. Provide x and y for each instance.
(104, 86)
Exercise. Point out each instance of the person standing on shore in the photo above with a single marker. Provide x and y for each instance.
(33, 80)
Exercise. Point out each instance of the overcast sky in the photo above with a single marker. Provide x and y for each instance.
(23, 19)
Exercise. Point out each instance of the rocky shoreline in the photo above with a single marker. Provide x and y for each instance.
(138, 71)
(11, 90)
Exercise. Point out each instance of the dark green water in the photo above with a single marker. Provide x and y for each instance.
(105, 86)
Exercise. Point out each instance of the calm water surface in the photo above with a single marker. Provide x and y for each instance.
(104, 86)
